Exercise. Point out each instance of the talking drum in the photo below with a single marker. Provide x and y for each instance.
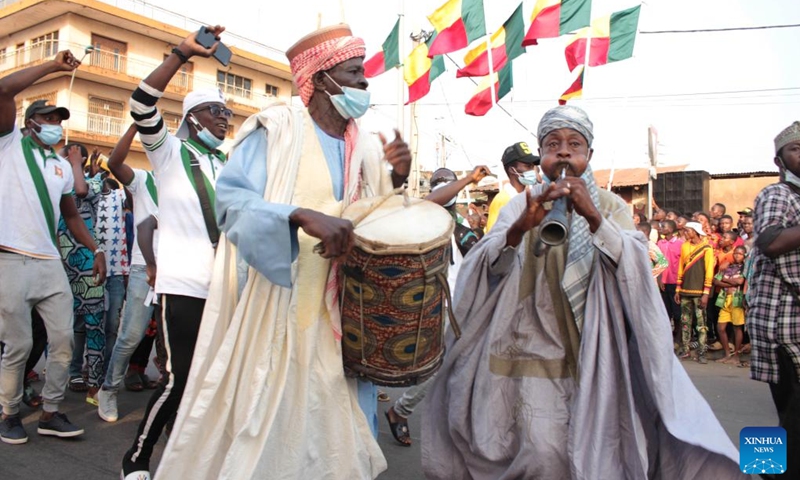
(394, 290)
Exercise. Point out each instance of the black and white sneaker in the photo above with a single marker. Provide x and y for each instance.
(59, 426)
(12, 431)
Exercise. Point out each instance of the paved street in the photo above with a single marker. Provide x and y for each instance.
(737, 401)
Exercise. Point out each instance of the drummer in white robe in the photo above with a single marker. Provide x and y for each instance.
(267, 396)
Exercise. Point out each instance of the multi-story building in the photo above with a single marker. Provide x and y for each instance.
(118, 49)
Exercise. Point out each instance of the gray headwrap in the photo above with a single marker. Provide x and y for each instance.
(566, 116)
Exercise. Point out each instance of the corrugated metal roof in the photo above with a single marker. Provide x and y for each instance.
(627, 177)
(745, 174)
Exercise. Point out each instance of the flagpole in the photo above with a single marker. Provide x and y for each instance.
(401, 121)
(586, 55)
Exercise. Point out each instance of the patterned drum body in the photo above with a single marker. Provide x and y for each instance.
(394, 292)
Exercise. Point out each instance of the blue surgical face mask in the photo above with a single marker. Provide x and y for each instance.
(209, 139)
(49, 134)
(351, 103)
(529, 178)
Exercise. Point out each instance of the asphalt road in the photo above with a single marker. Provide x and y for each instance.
(736, 400)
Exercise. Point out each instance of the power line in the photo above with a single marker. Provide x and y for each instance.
(727, 29)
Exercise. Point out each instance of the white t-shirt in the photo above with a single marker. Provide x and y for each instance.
(24, 228)
(186, 256)
(144, 206)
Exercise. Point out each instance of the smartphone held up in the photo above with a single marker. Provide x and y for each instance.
(205, 38)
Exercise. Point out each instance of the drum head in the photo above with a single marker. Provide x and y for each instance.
(395, 227)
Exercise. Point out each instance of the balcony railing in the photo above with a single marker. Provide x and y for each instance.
(236, 91)
(109, 61)
(182, 81)
(104, 125)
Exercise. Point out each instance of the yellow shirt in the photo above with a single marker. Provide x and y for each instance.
(505, 195)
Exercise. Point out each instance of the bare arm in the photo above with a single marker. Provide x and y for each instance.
(161, 76)
(76, 161)
(78, 229)
(144, 235)
(444, 194)
(13, 84)
(116, 161)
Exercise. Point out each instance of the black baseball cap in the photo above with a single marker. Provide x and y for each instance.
(41, 107)
(519, 152)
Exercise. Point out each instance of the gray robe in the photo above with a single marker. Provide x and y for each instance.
(630, 410)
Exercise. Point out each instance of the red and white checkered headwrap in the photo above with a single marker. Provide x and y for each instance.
(323, 56)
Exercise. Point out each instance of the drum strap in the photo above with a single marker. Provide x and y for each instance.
(449, 299)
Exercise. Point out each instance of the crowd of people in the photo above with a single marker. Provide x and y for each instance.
(229, 266)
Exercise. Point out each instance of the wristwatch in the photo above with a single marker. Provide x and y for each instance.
(99, 250)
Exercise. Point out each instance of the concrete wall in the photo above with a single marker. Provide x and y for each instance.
(737, 193)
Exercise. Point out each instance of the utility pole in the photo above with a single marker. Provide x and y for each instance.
(414, 176)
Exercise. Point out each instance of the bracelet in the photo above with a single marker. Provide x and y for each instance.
(182, 56)
(99, 250)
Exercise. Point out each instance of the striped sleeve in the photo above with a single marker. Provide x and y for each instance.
(152, 130)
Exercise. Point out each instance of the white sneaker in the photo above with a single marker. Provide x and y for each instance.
(107, 408)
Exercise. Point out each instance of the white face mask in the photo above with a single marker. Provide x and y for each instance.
(529, 178)
(788, 176)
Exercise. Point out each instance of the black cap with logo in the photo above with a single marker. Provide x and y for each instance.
(519, 152)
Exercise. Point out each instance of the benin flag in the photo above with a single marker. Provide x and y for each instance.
(553, 18)
(458, 22)
(574, 91)
(481, 102)
(388, 57)
(419, 71)
(612, 39)
(506, 46)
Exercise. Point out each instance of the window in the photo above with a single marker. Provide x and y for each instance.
(105, 117)
(172, 121)
(44, 46)
(2, 56)
(234, 84)
(20, 114)
(109, 54)
(19, 58)
(271, 90)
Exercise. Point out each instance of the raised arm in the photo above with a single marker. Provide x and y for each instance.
(13, 84)
(444, 194)
(76, 160)
(161, 76)
(116, 161)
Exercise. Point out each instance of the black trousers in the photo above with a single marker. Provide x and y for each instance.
(181, 320)
(786, 396)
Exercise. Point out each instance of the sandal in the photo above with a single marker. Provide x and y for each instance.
(383, 396)
(744, 364)
(78, 384)
(133, 382)
(399, 430)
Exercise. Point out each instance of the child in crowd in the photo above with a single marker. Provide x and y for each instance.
(658, 263)
(731, 302)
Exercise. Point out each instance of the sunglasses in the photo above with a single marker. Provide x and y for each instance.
(217, 111)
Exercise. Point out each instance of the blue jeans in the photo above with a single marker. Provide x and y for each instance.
(368, 401)
(115, 293)
(134, 324)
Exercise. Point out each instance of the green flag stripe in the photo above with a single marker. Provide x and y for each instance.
(575, 14)
(473, 18)
(515, 32)
(391, 48)
(623, 26)
(506, 80)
